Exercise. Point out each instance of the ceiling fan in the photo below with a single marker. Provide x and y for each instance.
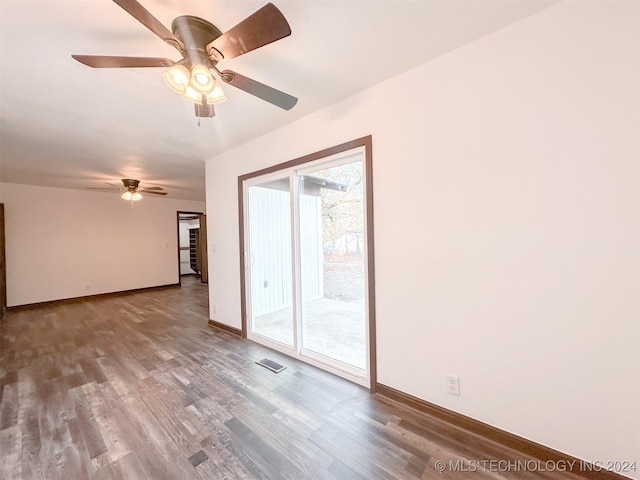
(202, 45)
(133, 190)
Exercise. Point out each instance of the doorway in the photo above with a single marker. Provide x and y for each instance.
(192, 246)
(307, 237)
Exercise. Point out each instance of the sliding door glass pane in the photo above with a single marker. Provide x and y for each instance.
(332, 254)
(270, 260)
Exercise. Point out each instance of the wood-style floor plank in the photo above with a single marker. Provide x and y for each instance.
(11, 448)
(140, 387)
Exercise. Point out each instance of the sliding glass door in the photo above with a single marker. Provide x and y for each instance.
(332, 313)
(305, 268)
(269, 260)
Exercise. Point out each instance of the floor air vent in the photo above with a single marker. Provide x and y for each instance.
(271, 365)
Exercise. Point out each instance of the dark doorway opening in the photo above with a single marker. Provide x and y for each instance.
(192, 246)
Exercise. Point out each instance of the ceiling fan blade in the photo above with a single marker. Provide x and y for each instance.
(141, 14)
(98, 61)
(269, 94)
(153, 193)
(146, 189)
(261, 28)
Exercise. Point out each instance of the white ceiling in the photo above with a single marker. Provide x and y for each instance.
(63, 124)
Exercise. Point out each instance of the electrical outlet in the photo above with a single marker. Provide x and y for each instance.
(213, 307)
(87, 288)
(453, 384)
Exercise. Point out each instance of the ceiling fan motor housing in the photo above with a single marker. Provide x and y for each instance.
(130, 184)
(195, 33)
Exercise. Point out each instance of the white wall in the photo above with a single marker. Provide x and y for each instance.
(58, 241)
(511, 168)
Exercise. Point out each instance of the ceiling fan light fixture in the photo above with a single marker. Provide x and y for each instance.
(131, 196)
(192, 95)
(201, 79)
(217, 95)
(177, 78)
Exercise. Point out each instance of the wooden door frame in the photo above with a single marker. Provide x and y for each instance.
(204, 256)
(3, 265)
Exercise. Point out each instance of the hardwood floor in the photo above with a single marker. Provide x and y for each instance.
(139, 387)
